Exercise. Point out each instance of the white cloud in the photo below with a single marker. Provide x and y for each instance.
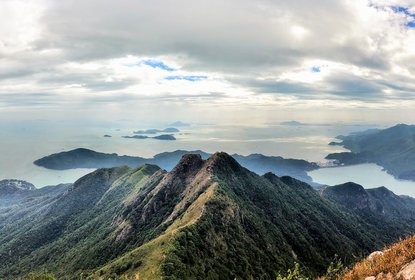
(258, 53)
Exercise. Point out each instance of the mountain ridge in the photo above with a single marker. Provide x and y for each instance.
(205, 219)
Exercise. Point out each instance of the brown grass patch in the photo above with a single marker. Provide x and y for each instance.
(392, 260)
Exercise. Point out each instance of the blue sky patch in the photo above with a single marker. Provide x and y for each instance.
(315, 69)
(399, 9)
(405, 11)
(410, 24)
(187, 78)
(158, 64)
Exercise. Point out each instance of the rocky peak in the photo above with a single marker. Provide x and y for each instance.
(222, 162)
(188, 164)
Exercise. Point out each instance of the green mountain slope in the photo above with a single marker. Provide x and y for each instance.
(392, 148)
(206, 219)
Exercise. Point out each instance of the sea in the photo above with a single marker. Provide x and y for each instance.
(22, 142)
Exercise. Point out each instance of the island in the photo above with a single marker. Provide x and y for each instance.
(155, 131)
(136, 137)
(258, 163)
(179, 124)
(165, 137)
(169, 137)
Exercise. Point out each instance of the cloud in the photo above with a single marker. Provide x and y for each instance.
(267, 53)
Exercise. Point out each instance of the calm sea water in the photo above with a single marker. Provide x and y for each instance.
(368, 175)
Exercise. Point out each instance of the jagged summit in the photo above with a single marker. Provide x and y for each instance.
(222, 162)
(187, 162)
(218, 162)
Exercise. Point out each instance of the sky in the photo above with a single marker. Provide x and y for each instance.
(233, 61)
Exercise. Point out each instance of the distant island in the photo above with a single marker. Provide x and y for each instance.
(293, 123)
(155, 131)
(165, 137)
(107, 136)
(392, 148)
(260, 164)
(136, 137)
(169, 137)
(179, 124)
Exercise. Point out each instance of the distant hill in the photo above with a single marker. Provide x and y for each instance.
(155, 131)
(85, 158)
(158, 137)
(293, 123)
(392, 148)
(369, 203)
(8, 187)
(205, 219)
(179, 124)
(164, 137)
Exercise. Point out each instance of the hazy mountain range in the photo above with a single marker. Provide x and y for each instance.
(205, 219)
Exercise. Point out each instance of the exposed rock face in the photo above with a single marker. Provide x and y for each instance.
(385, 276)
(407, 272)
(374, 255)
